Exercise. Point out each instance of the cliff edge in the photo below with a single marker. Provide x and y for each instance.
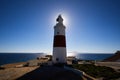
(114, 58)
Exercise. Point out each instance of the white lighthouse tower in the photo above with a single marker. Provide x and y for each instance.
(59, 44)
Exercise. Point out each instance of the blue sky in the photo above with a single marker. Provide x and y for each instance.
(92, 25)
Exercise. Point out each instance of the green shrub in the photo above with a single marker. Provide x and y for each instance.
(98, 71)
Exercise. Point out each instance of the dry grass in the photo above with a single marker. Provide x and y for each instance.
(14, 73)
(114, 65)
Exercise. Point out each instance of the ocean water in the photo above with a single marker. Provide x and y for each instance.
(6, 58)
(95, 56)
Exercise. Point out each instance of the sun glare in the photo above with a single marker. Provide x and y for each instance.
(65, 21)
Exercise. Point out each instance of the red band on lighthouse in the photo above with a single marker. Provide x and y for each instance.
(59, 41)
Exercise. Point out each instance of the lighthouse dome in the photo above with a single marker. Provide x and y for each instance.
(59, 19)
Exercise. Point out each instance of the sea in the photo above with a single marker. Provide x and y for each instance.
(6, 58)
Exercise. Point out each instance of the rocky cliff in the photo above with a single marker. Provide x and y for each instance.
(115, 57)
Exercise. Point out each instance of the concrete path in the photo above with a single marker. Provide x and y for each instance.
(50, 73)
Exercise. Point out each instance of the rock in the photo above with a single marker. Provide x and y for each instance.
(33, 63)
(1, 68)
(118, 52)
(114, 58)
(19, 66)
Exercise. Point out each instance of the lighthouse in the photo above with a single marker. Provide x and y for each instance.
(59, 42)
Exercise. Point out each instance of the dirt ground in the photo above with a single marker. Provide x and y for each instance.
(14, 73)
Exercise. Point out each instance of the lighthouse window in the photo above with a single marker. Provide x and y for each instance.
(57, 32)
(57, 59)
